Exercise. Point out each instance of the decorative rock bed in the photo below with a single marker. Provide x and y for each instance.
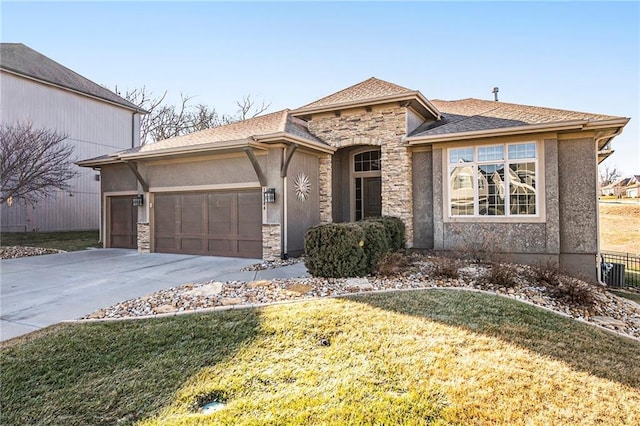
(14, 252)
(605, 309)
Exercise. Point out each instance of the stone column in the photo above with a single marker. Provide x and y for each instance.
(144, 238)
(271, 238)
(325, 188)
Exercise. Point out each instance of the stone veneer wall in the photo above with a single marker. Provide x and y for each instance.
(144, 238)
(271, 241)
(384, 126)
(325, 189)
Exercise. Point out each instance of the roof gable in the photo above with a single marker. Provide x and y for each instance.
(22, 60)
(370, 89)
(369, 92)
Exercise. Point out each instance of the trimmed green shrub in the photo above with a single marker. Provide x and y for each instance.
(339, 250)
(394, 227)
(376, 242)
(336, 250)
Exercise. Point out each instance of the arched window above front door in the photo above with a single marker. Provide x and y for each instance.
(368, 161)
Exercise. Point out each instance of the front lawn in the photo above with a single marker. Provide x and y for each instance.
(67, 241)
(431, 356)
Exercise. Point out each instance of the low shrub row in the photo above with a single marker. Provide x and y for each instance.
(338, 250)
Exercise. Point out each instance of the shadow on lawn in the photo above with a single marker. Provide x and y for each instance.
(581, 346)
(125, 370)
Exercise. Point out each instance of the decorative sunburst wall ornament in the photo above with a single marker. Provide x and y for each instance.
(302, 186)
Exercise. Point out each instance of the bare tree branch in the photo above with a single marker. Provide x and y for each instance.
(167, 121)
(608, 175)
(33, 163)
(246, 105)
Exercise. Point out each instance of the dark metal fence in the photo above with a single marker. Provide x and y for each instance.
(620, 269)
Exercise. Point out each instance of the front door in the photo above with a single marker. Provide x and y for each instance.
(123, 222)
(372, 197)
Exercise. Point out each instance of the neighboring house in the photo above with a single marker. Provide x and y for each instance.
(35, 89)
(632, 190)
(463, 174)
(616, 189)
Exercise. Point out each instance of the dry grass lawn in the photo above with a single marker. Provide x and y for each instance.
(620, 227)
(438, 357)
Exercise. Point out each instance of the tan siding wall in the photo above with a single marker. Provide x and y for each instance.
(94, 128)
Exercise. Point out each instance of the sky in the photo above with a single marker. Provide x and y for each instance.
(581, 56)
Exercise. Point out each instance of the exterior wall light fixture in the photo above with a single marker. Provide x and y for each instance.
(138, 200)
(269, 195)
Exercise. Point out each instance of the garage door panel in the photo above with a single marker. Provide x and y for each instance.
(165, 213)
(192, 206)
(217, 223)
(222, 211)
(249, 204)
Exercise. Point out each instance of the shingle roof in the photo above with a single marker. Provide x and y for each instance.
(21, 59)
(276, 122)
(372, 88)
(468, 115)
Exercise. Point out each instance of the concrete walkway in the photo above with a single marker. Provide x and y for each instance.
(40, 291)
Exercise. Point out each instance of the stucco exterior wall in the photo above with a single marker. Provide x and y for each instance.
(301, 213)
(379, 125)
(226, 170)
(92, 127)
(117, 177)
(423, 200)
(578, 205)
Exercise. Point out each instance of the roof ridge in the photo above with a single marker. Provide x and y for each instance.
(337, 94)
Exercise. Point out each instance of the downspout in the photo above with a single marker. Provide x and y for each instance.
(598, 257)
(284, 161)
(133, 129)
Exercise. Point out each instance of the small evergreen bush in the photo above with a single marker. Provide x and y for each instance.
(376, 242)
(394, 227)
(336, 250)
(339, 250)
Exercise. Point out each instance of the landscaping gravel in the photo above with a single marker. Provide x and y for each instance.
(13, 252)
(603, 308)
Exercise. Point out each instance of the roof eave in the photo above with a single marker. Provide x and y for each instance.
(98, 162)
(507, 131)
(287, 137)
(227, 146)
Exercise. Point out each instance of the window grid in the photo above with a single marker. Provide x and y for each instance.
(367, 161)
(495, 192)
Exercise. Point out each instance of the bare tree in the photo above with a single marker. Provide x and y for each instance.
(166, 121)
(33, 163)
(249, 109)
(608, 175)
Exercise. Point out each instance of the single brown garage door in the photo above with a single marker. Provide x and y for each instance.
(123, 221)
(214, 223)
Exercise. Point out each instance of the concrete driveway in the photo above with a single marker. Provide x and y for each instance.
(42, 290)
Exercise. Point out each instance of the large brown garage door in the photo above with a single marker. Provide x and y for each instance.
(212, 223)
(123, 222)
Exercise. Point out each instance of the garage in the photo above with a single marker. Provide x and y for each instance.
(123, 222)
(221, 223)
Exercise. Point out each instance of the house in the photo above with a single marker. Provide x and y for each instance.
(616, 189)
(40, 91)
(632, 190)
(517, 179)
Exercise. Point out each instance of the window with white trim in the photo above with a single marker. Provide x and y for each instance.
(493, 180)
